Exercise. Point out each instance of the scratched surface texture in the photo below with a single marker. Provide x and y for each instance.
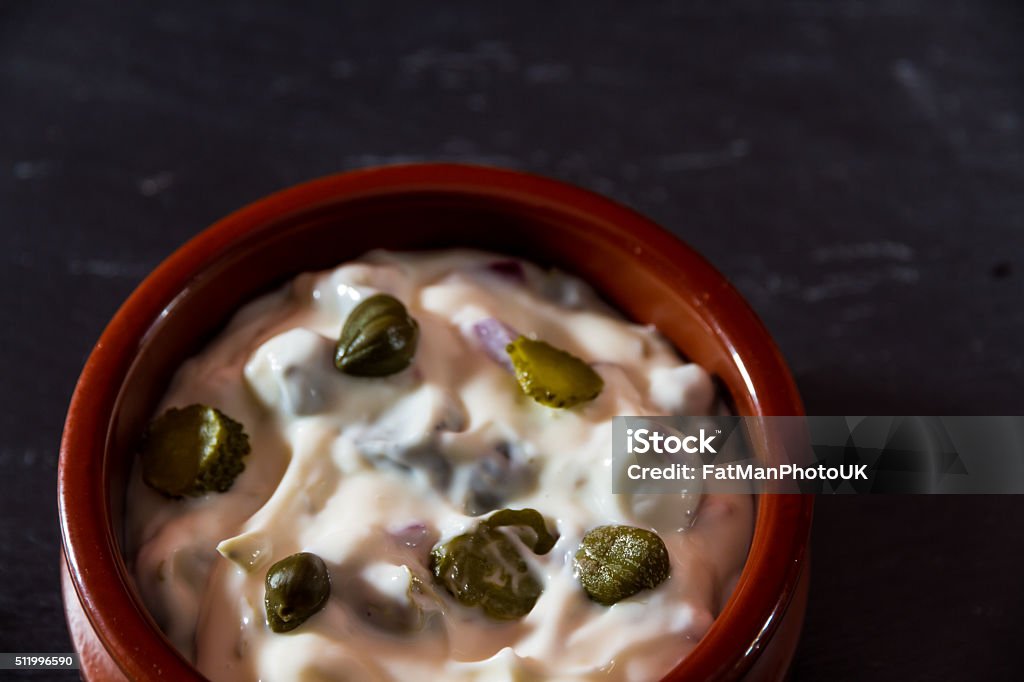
(855, 168)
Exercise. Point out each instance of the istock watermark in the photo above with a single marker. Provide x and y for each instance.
(819, 454)
(642, 441)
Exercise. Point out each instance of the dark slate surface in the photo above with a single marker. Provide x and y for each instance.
(856, 168)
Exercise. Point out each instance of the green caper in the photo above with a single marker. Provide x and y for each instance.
(529, 526)
(616, 562)
(296, 588)
(484, 568)
(193, 450)
(378, 338)
(552, 376)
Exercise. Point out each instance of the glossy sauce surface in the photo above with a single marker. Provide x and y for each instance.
(370, 473)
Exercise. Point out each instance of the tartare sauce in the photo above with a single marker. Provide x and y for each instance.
(370, 473)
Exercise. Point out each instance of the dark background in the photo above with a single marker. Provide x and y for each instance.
(855, 168)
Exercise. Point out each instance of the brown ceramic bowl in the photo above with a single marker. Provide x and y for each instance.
(648, 274)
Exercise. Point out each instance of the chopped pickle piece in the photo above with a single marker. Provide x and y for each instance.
(552, 376)
(297, 587)
(193, 450)
(391, 598)
(498, 475)
(247, 550)
(484, 568)
(378, 338)
(616, 562)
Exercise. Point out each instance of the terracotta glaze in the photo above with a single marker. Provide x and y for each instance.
(645, 272)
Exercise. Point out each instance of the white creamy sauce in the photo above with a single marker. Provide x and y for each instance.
(370, 473)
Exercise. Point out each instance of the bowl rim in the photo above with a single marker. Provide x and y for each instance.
(778, 552)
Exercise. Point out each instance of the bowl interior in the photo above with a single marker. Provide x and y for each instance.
(619, 266)
(642, 271)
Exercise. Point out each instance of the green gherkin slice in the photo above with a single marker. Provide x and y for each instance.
(552, 376)
(378, 338)
(616, 562)
(297, 587)
(193, 450)
(485, 569)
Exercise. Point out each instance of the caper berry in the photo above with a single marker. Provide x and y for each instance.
(616, 562)
(484, 568)
(296, 588)
(193, 450)
(378, 338)
(552, 376)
